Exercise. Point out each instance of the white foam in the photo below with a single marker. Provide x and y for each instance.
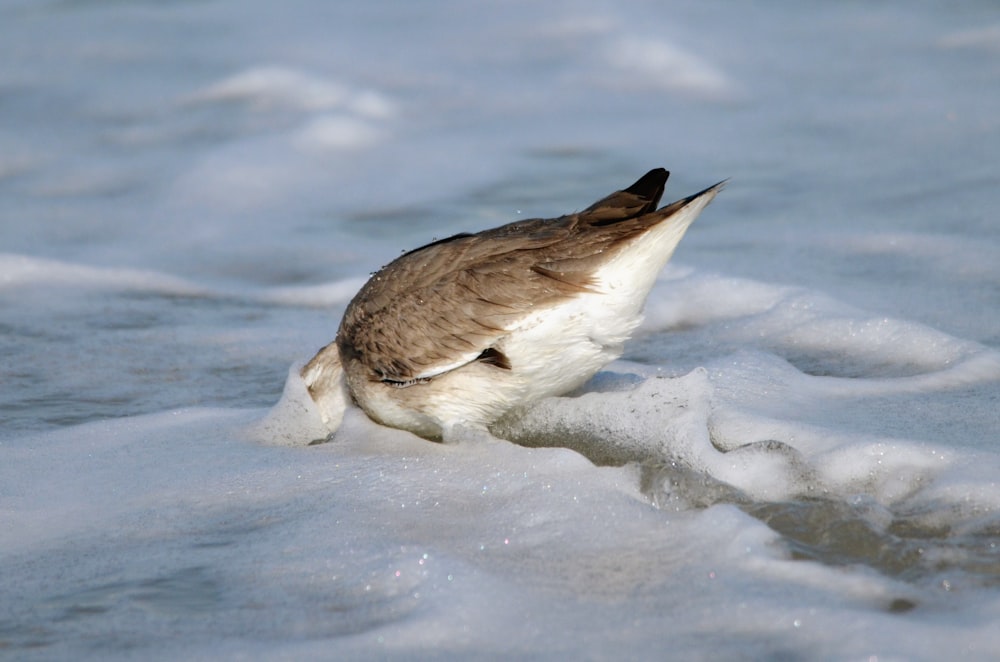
(18, 271)
(687, 299)
(336, 132)
(620, 57)
(822, 334)
(323, 295)
(658, 63)
(380, 539)
(275, 87)
(295, 420)
(305, 130)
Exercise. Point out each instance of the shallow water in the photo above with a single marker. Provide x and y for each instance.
(796, 458)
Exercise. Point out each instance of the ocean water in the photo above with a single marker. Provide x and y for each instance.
(796, 458)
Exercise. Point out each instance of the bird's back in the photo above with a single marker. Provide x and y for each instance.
(528, 309)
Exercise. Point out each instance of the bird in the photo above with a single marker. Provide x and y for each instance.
(465, 330)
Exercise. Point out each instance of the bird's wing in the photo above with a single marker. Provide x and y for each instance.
(447, 304)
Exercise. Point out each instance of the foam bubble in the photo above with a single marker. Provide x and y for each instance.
(294, 420)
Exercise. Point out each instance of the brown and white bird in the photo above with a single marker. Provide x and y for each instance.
(466, 329)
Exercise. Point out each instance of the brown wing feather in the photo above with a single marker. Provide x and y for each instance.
(467, 289)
